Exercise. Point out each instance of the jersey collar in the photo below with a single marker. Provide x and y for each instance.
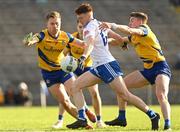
(53, 36)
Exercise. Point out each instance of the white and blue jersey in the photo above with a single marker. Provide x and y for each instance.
(104, 64)
(100, 54)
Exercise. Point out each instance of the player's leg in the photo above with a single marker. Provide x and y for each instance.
(85, 80)
(96, 101)
(59, 123)
(59, 93)
(91, 116)
(118, 85)
(68, 84)
(135, 80)
(120, 88)
(132, 80)
(54, 81)
(162, 89)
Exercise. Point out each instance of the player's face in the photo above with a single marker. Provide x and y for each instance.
(53, 26)
(80, 28)
(134, 22)
(83, 18)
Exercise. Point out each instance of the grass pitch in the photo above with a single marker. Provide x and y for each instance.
(41, 119)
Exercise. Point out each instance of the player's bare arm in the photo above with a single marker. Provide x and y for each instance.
(30, 39)
(76, 42)
(90, 45)
(116, 39)
(79, 42)
(87, 50)
(114, 42)
(122, 28)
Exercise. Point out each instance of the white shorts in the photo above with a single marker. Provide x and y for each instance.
(107, 72)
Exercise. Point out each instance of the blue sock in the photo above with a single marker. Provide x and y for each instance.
(81, 114)
(98, 117)
(167, 123)
(60, 117)
(151, 114)
(122, 115)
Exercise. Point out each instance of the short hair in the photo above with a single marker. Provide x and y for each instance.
(53, 14)
(84, 8)
(140, 15)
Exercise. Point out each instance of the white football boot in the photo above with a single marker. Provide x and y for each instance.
(58, 124)
(100, 124)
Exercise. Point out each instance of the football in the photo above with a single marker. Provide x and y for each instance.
(69, 64)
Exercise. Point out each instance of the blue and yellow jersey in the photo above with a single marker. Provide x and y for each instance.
(77, 51)
(147, 47)
(50, 49)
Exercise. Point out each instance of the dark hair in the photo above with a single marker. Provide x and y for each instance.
(53, 14)
(83, 8)
(140, 15)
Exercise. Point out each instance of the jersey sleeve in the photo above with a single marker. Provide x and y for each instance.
(41, 36)
(144, 29)
(71, 38)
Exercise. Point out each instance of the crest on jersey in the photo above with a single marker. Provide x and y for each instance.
(86, 32)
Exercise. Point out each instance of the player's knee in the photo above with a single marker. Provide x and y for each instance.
(161, 97)
(75, 87)
(124, 96)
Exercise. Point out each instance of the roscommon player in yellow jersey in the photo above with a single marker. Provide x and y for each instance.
(156, 70)
(50, 43)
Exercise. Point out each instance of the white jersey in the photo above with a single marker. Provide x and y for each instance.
(100, 53)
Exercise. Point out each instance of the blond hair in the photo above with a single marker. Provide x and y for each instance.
(140, 15)
(53, 14)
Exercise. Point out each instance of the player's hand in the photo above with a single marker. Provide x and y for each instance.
(81, 62)
(27, 39)
(105, 26)
(125, 46)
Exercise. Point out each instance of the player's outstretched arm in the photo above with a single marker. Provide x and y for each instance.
(114, 42)
(116, 39)
(121, 28)
(79, 42)
(30, 39)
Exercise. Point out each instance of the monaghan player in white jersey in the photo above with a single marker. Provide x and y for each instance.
(105, 67)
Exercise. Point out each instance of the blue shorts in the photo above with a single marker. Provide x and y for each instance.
(53, 77)
(107, 72)
(79, 71)
(158, 68)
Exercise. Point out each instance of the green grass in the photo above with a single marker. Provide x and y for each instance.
(41, 119)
